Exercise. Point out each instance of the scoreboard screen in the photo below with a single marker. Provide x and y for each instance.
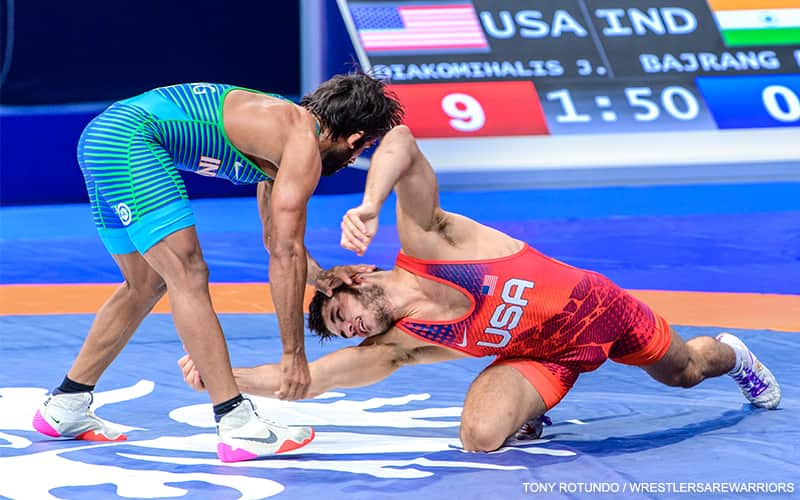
(620, 80)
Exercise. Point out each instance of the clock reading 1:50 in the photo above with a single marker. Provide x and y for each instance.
(679, 102)
(779, 101)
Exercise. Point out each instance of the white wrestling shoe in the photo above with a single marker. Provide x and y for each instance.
(244, 435)
(753, 378)
(70, 416)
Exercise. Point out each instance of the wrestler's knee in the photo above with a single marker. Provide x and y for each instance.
(147, 287)
(480, 435)
(142, 283)
(181, 263)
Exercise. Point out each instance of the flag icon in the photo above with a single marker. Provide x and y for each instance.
(757, 22)
(489, 284)
(431, 27)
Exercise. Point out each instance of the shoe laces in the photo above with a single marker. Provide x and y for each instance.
(262, 418)
(270, 422)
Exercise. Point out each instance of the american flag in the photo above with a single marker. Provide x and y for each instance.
(489, 283)
(433, 27)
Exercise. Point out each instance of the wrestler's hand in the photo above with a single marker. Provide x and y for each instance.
(330, 279)
(359, 226)
(295, 377)
(190, 373)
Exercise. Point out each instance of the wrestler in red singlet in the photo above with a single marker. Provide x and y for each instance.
(549, 320)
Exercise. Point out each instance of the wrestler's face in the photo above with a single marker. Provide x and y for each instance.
(357, 311)
(343, 153)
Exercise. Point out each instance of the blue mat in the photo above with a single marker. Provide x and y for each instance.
(618, 433)
(702, 238)
(616, 428)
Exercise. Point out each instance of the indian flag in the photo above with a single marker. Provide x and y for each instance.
(758, 22)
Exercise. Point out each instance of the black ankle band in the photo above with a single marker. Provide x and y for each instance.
(69, 386)
(223, 408)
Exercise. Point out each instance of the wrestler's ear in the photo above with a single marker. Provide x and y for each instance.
(354, 140)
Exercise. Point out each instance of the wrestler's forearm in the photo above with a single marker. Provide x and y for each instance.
(379, 186)
(287, 282)
(313, 269)
(390, 162)
(264, 380)
(261, 380)
(357, 366)
(346, 368)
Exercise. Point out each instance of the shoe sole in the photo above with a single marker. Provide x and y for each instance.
(42, 426)
(228, 454)
(96, 436)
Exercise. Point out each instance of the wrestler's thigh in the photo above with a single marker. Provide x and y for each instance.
(501, 398)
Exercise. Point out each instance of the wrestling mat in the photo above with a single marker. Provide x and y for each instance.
(709, 258)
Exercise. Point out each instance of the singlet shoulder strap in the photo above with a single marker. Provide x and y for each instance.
(421, 268)
(411, 264)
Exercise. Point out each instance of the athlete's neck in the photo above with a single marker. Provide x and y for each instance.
(401, 291)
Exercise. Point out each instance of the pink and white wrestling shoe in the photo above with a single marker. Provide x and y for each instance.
(244, 435)
(70, 416)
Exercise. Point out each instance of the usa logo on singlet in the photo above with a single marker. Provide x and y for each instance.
(507, 315)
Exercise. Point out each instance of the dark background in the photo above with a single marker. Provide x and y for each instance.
(96, 50)
(62, 63)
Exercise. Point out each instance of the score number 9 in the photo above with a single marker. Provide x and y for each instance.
(465, 112)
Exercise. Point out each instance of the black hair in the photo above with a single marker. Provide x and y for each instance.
(316, 322)
(347, 104)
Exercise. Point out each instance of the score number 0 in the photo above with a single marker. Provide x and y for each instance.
(769, 97)
(465, 112)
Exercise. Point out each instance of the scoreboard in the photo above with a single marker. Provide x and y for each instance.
(705, 73)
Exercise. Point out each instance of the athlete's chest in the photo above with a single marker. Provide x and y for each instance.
(443, 301)
(488, 310)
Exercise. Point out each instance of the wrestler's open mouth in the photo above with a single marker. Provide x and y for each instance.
(361, 329)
